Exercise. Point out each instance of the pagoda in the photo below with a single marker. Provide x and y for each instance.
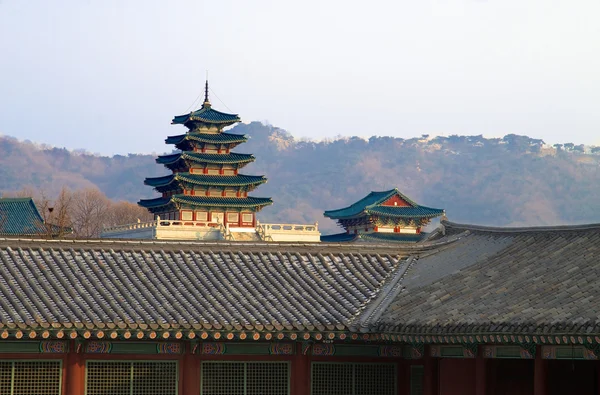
(382, 216)
(205, 185)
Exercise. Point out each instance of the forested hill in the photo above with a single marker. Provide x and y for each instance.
(515, 180)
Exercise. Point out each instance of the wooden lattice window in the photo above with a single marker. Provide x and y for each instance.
(245, 378)
(131, 377)
(353, 378)
(30, 377)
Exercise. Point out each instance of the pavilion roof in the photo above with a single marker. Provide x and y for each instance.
(20, 216)
(372, 204)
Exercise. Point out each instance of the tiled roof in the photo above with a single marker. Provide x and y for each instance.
(205, 201)
(211, 138)
(371, 205)
(469, 281)
(208, 180)
(19, 216)
(494, 280)
(206, 158)
(208, 115)
(195, 285)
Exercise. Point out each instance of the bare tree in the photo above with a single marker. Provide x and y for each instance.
(56, 213)
(121, 213)
(89, 212)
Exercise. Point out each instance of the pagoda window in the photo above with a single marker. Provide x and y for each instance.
(215, 192)
(187, 215)
(247, 218)
(201, 215)
(233, 218)
(230, 193)
(213, 171)
(229, 172)
(199, 191)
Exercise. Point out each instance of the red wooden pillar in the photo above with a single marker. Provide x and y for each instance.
(300, 372)
(191, 374)
(75, 372)
(480, 372)
(430, 374)
(539, 373)
(404, 378)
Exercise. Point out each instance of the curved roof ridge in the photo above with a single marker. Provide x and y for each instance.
(525, 229)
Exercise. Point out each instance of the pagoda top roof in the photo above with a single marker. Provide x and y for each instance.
(380, 203)
(214, 138)
(206, 114)
(205, 179)
(206, 158)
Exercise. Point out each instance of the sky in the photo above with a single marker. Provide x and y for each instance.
(107, 76)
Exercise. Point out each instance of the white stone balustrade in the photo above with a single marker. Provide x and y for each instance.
(289, 232)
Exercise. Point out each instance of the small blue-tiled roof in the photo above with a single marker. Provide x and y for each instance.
(207, 115)
(20, 217)
(371, 205)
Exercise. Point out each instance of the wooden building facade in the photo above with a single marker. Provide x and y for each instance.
(469, 310)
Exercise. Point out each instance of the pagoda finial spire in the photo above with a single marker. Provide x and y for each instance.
(206, 102)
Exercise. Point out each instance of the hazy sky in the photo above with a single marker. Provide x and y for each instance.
(109, 75)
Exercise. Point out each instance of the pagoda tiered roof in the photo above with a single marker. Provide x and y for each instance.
(206, 201)
(373, 204)
(239, 180)
(198, 157)
(208, 115)
(210, 138)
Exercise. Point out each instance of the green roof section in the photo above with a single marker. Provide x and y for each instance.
(210, 138)
(20, 217)
(198, 157)
(372, 205)
(239, 180)
(205, 201)
(207, 115)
